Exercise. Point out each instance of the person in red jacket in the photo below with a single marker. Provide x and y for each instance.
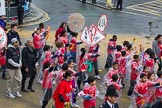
(59, 30)
(89, 91)
(158, 93)
(136, 68)
(38, 43)
(3, 62)
(95, 50)
(62, 93)
(47, 83)
(141, 90)
(110, 49)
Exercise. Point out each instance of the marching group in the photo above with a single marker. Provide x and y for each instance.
(58, 66)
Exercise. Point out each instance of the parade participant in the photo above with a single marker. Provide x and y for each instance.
(136, 68)
(158, 93)
(3, 62)
(157, 47)
(146, 70)
(48, 78)
(112, 97)
(72, 46)
(110, 49)
(123, 60)
(59, 30)
(13, 34)
(115, 81)
(125, 45)
(13, 64)
(89, 91)
(62, 93)
(45, 54)
(117, 53)
(43, 33)
(141, 89)
(60, 54)
(60, 73)
(149, 61)
(71, 65)
(95, 50)
(82, 68)
(64, 40)
(112, 71)
(28, 66)
(38, 44)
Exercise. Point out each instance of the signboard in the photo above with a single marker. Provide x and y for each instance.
(2, 7)
(102, 22)
(96, 35)
(92, 36)
(3, 38)
(85, 36)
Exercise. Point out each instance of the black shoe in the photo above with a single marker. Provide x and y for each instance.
(31, 90)
(24, 90)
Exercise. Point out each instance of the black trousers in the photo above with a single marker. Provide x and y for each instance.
(31, 80)
(20, 14)
(119, 3)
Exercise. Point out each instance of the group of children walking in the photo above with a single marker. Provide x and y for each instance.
(58, 68)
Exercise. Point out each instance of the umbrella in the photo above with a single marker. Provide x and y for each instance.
(76, 22)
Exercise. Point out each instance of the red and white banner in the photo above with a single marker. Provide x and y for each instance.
(3, 38)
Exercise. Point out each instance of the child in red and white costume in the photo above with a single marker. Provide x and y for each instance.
(60, 73)
(141, 90)
(110, 73)
(82, 67)
(136, 69)
(158, 93)
(60, 51)
(89, 92)
(62, 93)
(38, 43)
(47, 84)
(95, 50)
(149, 61)
(64, 40)
(110, 49)
(117, 53)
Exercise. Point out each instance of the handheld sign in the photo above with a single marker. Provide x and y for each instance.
(98, 36)
(3, 38)
(102, 22)
(85, 36)
(2, 7)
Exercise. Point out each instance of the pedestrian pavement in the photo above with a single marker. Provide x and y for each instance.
(99, 3)
(35, 15)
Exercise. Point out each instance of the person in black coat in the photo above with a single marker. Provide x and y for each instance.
(111, 96)
(28, 66)
(13, 34)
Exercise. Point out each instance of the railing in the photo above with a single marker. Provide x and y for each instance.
(11, 10)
